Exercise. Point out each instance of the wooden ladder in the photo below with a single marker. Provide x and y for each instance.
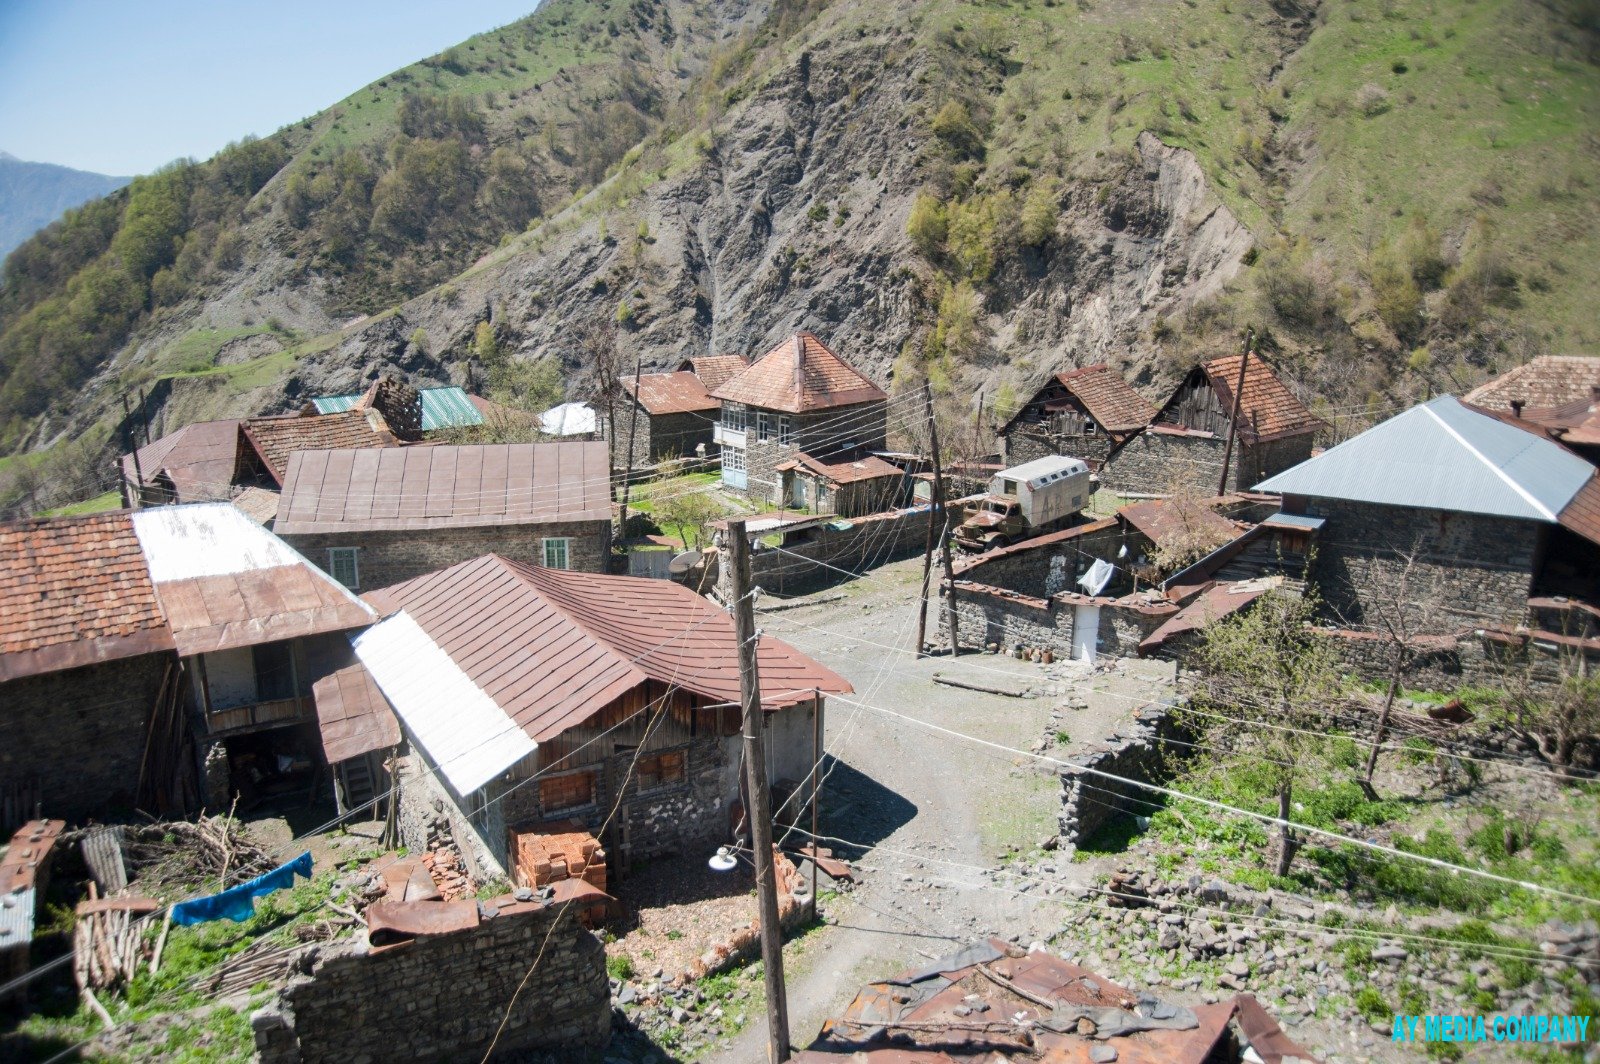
(357, 785)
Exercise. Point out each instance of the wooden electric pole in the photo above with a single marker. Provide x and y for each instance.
(1233, 418)
(760, 811)
(942, 510)
(633, 425)
(134, 498)
(927, 550)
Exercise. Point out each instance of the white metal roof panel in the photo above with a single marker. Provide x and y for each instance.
(1444, 456)
(464, 731)
(1039, 468)
(568, 419)
(207, 539)
(16, 918)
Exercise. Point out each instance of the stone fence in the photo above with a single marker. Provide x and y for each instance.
(1472, 658)
(988, 615)
(1090, 802)
(442, 997)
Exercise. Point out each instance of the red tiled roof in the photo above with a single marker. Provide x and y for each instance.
(844, 469)
(552, 648)
(445, 486)
(715, 370)
(74, 591)
(1268, 410)
(671, 393)
(797, 376)
(200, 459)
(276, 439)
(1549, 380)
(1111, 400)
(1169, 522)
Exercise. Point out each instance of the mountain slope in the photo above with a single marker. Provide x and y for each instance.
(32, 195)
(969, 193)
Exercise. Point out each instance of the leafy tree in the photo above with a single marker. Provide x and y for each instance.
(691, 513)
(927, 226)
(953, 125)
(1040, 213)
(1269, 656)
(957, 333)
(485, 346)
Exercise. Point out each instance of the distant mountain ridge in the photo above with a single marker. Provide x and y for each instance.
(32, 195)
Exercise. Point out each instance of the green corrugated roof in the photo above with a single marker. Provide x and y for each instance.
(442, 408)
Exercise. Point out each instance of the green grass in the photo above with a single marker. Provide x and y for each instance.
(109, 500)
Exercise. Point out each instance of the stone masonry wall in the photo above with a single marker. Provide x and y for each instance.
(1090, 802)
(992, 615)
(1471, 659)
(659, 437)
(1479, 569)
(862, 425)
(1156, 462)
(442, 997)
(390, 557)
(1024, 443)
(1051, 564)
(79, 734)
(868, 543)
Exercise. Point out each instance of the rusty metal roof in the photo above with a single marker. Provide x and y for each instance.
(1214, 603)
(445, 487)
(223, 581)
(671, 393)
(1582, 514)
(928, 1017)
(799, 375)
(75, 591)
(1179, 523)
(276, 439)
(200, 460)
(846, 468)
(28, 854)
(352, 715)
(551, 648)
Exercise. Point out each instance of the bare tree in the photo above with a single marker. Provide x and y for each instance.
(1558, 718)
(598, 341)
(1269, 655)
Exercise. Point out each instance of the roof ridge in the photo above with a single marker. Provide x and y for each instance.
(524, 572)
(1505, 477)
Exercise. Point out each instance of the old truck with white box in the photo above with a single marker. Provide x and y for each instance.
(1026, 500)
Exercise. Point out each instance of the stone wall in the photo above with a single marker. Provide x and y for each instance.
(1024, 443)
(1051, 564)
(987, 615)
(78, 735)
(1155, 462)
(1090, 802)
(1468, 659)
(442, 997)
(861, 425)
(389, 557)
(868, 543)
(1477, 569)
(659, 437)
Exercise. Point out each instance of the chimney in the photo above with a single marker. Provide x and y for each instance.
(1516, 407)
(800, 367)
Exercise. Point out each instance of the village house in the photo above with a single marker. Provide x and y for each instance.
(672, 416)
(1545, 381)
(1082, 413)
(213, 461)
(798, 398)
(411, 413)
(847, 484)
(161, 658)
(1490, 515)
(1186, 441)
(533, 699)
(381, 516)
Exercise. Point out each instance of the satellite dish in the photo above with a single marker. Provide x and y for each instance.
(683, 562)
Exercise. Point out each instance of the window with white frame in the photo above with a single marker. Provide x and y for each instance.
(342, 566)
(763, 425)
(733, 417)
(556, 553)
(785, 430)
(733, 459)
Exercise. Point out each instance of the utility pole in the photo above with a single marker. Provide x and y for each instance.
(760, 812)
(1233, 418)
(927, 550)
(943, 510)
(134, 497)
(633, 425)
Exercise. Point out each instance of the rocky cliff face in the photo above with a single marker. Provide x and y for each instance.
(796, 218)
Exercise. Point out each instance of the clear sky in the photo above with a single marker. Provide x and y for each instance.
(124, 87)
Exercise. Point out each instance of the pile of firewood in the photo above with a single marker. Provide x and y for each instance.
(111, 943)
(180, 852)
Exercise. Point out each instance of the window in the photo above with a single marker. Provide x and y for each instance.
(571, 791)
(343, 568)
(733, 459)
(785, 430)
(1088, 426)
(660, 771)
(555, 553)
(763, 425)
(733, 416)
(274, 668)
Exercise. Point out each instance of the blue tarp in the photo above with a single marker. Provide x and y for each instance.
(239, 903)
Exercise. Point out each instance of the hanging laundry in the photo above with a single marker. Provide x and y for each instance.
(239, 903)
(1099, 575)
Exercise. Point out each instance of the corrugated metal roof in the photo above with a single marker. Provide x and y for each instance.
(671, 393)
(352, 715)
(569, 419)
(16, 918)
(445, 487)
(464, 732)
(552, 647)
(442, 408)
(200, 459)
(1444, 456)
(223, 581)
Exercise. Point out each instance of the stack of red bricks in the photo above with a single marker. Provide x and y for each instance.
(556, 851)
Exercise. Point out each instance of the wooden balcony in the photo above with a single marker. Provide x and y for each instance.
(260, 715)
